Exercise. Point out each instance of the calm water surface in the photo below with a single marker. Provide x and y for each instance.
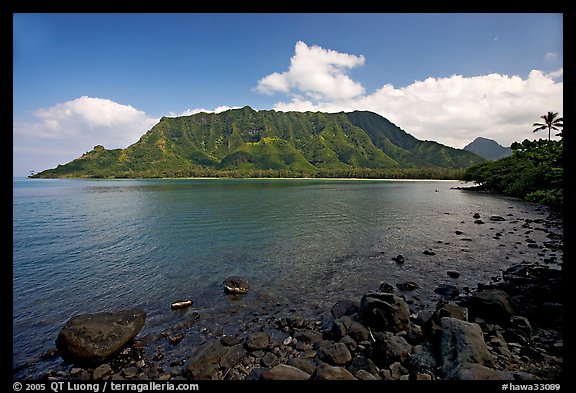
(103, 245)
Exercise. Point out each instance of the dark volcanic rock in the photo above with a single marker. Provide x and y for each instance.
(258, 340)
(284, 372)
(344, 307)
(497, 218)
(453, 274)
(492, 305)
(398, 259)
(407, 286)
(327, 372)
(204, 362)
(94, 338)
(337, 354)
(386, 288)
(447, 290)
(390, 348)
(235, 284)
(384, 311)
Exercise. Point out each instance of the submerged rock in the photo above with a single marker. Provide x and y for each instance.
(93, 338)
(235, 284)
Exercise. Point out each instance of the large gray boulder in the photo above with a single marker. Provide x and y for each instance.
(477, 372)
(385, 312)
(90, 339)
(462, 342)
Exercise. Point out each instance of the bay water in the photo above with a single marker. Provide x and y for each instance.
(106, 245)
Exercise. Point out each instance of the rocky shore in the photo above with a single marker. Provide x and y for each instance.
(508, 329)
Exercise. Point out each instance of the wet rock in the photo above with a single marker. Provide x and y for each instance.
(385, 311)
(337, 354)
(204, 362)
(237, 285)
(358, 331)
(448, 290)
(407, 286)
(386, 288)
(307, 336)
(493, 305)
(344, 307)
(304, 364)
(462, 342)
(364, 375)
(232, 356)
(102, 371)
(268, 360)
(451, 310)
(497, 218)
(327, 372)
(428, 252)
(258, 340)
(130, 372)
(424, 359)
(398, 259)
(453, 274)
(477, 372)
(459, 232)
(521, 323)
(414, 334)
(363, 363)
(180, 304)
(476, 215)
(230, 341)
(390, 348)
(94, 338)
(284, 372)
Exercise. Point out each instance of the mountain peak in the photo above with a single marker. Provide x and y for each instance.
(244, 139)
(488, 149)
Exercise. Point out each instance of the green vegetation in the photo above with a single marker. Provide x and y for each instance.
(551, 122)
(248, 143)
(534, 172)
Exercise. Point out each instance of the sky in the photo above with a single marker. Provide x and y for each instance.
(81, 80)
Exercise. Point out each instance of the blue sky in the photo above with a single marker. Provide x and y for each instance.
(87, 79)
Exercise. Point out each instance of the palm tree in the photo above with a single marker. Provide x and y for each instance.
(551, 122)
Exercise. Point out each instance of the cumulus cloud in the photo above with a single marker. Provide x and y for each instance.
(318, 73)
(64, 131)
(189, 112)
(452, 110)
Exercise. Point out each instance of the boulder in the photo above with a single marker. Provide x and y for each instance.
(477, 372)
(497, 218)
(390, 348)
(93, 338)
(258, 340)
(327, 372)
(304, 364)
(284, 372)
(235, 284)
(462, 342)
(205, 361)
(453, 274)
(344, 307)
(384, 311)
(493, 305)
(337, 354)
(448, 290)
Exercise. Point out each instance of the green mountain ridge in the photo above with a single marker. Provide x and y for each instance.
(243, 140)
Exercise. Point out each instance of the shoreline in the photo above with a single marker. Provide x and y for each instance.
(314, 340)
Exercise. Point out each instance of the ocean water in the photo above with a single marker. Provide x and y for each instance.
(105, 245)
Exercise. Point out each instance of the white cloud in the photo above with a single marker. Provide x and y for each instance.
(189, 112)
(64, 131)
(318, 73)
(551, 57)
(452, 110)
